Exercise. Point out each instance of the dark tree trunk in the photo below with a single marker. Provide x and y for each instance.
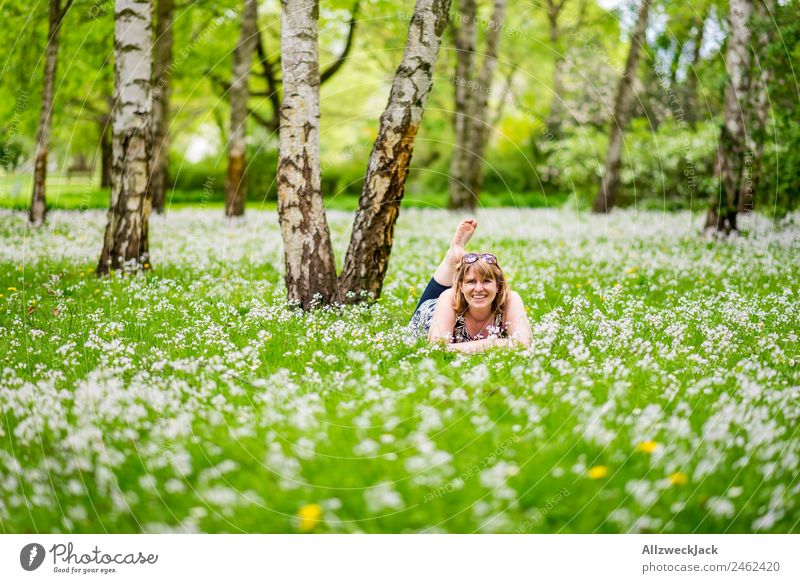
(466, 42)
(125, 242)
(471, 100)
(609, 188)
(692, 105)
(105, 157)
(556, 103)
(733, 139)
(373, 229)
(162, 65)
(104, 129)
(310, 266)
(760, 108)
(38, 196)
(479, 136)
(236, 189)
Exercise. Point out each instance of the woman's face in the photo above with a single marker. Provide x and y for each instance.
(479, 292)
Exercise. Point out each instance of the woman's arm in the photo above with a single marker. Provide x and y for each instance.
(517, 324)
(444, 319)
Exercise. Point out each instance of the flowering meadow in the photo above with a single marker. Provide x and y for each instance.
(661, 392)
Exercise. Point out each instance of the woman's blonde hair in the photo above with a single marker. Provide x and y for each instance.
(482, 269)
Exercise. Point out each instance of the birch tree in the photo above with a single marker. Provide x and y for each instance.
(379, 205)
(733, 139)
(609, 187)
(125, 239)
(57, 12)
(310, 267)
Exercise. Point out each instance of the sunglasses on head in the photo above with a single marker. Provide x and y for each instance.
(470, 258)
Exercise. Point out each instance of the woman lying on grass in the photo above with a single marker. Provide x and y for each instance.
(467, 304)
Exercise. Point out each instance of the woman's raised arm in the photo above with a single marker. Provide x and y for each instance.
(517, 324)
(443, 320)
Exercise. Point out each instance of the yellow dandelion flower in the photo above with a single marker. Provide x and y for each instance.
(12, 289)
(647, 447)
(632, 270)
(597, 472)
(310, 516)
(678, 478)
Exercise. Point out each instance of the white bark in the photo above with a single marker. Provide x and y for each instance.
(126, 232)
(310, 266)
(733, 141)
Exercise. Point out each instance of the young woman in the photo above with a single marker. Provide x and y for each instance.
(467, 305)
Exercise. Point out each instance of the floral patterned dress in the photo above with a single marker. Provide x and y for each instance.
(421, 323)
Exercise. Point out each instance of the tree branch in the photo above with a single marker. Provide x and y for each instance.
(337, 64)
(273, 93)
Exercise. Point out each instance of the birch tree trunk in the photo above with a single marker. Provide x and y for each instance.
(310, 266)
(235, 191)
(373, 229)
(465, 42)
(733, 146)
(38, 196)
(162, 70)
(609, 188)
(125, 241)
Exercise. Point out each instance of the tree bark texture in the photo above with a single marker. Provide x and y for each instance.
(162, 71)
(309, 262)
(609, 187)
(466, 172)
(236, 189)
(733, 139)
(125, 240)
(38, 196)
(466, 40)
(105, 156)
(559, 68)
(373, 229)
(760, 107)
(479, 136)
(692, 102)
(273, 92)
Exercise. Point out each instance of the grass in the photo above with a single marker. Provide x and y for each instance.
(81, 193)
(660, 393)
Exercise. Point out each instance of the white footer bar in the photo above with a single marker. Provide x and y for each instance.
(400, 558)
